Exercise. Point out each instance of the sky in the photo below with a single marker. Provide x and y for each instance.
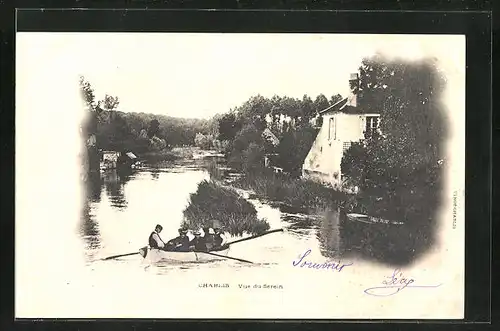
(199, 75)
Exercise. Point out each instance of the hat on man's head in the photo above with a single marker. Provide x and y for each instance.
(183, 230)
(197, 233)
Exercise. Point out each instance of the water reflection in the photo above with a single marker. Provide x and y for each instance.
(89, 228)
(329, 234)
(155, 173)
(114, 182)
(93, 187)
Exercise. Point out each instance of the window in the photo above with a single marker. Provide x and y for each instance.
(346, 145)
(372, 123)
(331, 129)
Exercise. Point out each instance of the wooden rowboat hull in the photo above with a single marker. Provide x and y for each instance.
(156, 255)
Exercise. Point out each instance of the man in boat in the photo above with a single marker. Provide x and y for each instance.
(218, 238)
(180, 243)
(154, 238)
(209, 238)
(198, 242)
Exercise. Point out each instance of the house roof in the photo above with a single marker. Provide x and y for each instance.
(335, 107)
(270, 136)
(342, 106)
(131, 155)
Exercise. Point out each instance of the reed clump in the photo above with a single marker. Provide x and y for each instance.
(232, 212)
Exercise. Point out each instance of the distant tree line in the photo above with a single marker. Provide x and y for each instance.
(138, 132)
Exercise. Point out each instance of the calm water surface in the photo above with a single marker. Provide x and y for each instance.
(122, 209)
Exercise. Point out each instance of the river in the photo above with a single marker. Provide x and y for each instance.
(122, 210)
(65, 276)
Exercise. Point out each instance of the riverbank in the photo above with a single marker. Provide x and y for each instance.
(386, 243)
(294, 192)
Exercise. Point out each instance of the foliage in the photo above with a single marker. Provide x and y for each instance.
(214, 202)
(289, 119)
(153, 128)
(321, 103)
(294, 147)
(399, 173)
(109, 103)
(228, 126)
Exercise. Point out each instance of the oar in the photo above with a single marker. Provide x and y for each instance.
(226, 257)
(253, 237)
(121, 255)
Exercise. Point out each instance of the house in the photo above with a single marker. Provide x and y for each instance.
(114, 160)
(109, 159)
(343, 123)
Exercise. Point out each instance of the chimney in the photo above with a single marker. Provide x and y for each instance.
(354, 86)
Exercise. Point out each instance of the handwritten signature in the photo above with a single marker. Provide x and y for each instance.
(325, 265)
(394, 284)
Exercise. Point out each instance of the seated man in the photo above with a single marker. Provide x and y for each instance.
(154, 238)
(180, 243)
(218, 238)
(209, 238)
(198, 242)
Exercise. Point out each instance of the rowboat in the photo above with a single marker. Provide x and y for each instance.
(156, 255)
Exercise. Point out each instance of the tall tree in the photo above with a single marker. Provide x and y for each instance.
(87, 93)
(335, 98)
(109, 103)
(321, 103)
(402, 165)
(228, 126)
(154, 127)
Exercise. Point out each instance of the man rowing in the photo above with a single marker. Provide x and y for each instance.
(217, 238)
(198, 243)
(209, 240)
(154, 238)
(180, 243)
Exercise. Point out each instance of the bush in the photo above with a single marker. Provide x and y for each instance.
(214, 202)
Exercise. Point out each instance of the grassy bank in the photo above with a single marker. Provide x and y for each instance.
(294, 192)
(213, 203)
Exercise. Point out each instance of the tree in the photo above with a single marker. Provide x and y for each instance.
(228, 126)
(403, 165)
(335, 98)
(203, 141)
(307, 108)
(154, 127)
(109, 103)
(321, 103)
(87, 93)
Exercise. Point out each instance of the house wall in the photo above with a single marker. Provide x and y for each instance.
(324, 159)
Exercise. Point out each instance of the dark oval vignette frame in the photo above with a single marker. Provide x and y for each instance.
(475, 21)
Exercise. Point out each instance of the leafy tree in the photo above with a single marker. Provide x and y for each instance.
(154, 127)
(335, 98)
(87, 93)
(109, 103)
(228, 126)
(401, 168)
(320, 103)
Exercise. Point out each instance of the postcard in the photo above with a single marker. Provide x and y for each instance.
(239, 176)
